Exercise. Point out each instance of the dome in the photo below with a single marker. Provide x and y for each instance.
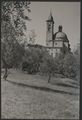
(61, 35)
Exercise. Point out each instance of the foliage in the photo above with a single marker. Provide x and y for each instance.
(32, 37)
(12, 29)
(68, 65)
(38, 60)
(11, 50)
(48, 66)
(13, 12)
(77, 57)
(59, 62)
(33, 59)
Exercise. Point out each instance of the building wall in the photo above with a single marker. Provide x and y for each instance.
(58, 44)
(50, 44)
(66, 44)
(49, 33)
(53, 51)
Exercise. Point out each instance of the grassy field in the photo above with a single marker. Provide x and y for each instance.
(26, 96)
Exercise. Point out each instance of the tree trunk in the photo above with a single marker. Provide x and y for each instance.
(6, 70)
(5, 73)
(49, 78)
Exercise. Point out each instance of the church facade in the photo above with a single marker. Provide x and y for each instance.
(56, 42)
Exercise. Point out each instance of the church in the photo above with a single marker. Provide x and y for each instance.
(56, 42)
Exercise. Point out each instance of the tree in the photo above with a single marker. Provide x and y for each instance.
(12, 28)
(13, 12)
(33, 58)
(70, 66)
(11, 52)
(77, 57)
(48, 66)
(32, 37)
(59, 62)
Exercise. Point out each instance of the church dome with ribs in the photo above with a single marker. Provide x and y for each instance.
(60, 35)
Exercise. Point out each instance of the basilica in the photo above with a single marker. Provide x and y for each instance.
(56, 42)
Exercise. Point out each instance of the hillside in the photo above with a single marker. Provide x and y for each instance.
(26, 96)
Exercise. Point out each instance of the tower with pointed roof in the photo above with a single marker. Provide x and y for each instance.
(56, 42)
(50, 30)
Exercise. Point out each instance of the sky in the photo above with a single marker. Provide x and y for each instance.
(66, 14)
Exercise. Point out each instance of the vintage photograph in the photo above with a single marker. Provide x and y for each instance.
(40, 60)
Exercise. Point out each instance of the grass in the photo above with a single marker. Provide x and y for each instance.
(26, 96)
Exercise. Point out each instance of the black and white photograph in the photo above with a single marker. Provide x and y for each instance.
(40, 60)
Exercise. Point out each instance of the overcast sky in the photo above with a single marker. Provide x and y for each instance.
(66, 14)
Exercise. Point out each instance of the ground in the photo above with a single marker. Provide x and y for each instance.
(25, 96)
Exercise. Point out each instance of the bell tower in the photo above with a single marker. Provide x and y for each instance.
(50, 31)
